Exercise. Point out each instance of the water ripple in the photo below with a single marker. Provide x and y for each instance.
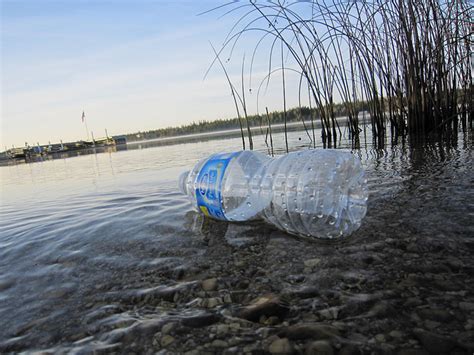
(92, 249)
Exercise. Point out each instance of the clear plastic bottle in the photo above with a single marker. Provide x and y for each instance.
(313, 193)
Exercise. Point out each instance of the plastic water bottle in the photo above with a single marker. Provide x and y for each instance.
(312, 193)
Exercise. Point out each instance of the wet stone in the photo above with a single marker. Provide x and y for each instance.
(272, 320)
(396, 334)
(357, 337)
(243, 284)
(263, 332)
(315, 331)
(6, 284)
(167, 328)
(166, 293)
(454, 264)
(227, 298)
(329, 313)
(250, 348)
(438, 315)
(294, 279)
(412, 352)
(219, 344)
(209, 284)
(166, 340)
(239, 263)
(340, 325)
(213, 302)
(268, 305)
(303, 292)
(430, 324)
(373, 259)
(234, 326)
(234, 341)
(380, 338)
(192, 352)
(350, 349)
(466, 306)
(201, 320)
(280, 346)
(433, 342)
(222, 329)
(412, 247)
(381, 309)
(320, 347)
(412, 302)
(311, 263)
(447, 285)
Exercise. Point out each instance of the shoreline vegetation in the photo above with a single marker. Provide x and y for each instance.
(411, 61)
(300, 117)
(303, 115)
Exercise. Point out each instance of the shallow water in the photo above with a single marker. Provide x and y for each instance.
(100, 251)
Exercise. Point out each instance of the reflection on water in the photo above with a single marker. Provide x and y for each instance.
(101, 249)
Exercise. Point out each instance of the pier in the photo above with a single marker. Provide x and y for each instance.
(31, 152)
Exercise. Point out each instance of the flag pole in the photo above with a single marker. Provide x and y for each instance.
(85, 122)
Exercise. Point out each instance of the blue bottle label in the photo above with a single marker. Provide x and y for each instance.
(209, 184)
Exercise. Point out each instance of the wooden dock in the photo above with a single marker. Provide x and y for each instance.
(31, 152)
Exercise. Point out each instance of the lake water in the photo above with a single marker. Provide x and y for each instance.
(99, 252)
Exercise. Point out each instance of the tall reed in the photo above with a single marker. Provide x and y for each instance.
(410, 60)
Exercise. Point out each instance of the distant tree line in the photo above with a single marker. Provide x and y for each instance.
(412, 60)
(203, 126)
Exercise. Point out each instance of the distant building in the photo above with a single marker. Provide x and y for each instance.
(16, 153)
(120, 139)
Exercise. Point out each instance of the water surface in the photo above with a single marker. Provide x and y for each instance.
(100, 250)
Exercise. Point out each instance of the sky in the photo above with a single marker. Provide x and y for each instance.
(129, 65)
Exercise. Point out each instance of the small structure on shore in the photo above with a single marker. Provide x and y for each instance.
(28, 152)
(120, 139)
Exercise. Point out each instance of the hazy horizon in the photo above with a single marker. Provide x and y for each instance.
(130, 66)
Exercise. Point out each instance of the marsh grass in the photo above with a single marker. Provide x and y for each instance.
(409, 61)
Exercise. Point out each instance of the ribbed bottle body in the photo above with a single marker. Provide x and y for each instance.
(241, 186)
(313, 193)
(319, 193)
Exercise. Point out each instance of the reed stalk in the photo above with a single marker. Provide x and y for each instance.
(410, 60)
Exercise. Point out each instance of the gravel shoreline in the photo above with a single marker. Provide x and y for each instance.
(259, 291)
(378, 294)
